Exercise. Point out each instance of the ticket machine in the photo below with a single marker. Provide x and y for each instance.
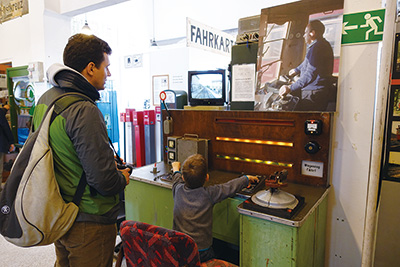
(149, 136)
(138, 124)
(130, 154)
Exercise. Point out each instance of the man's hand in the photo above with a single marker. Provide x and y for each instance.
(176, 166)
(11, 148)
(125, 172)
(284, 90)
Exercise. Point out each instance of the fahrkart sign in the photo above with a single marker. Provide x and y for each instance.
(10, 9)
(204, 37)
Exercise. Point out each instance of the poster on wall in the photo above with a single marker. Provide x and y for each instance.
(298, 56)
(11, 9)
(160, 83)
(393, 166)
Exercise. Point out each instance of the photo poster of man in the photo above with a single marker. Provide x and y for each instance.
(298, 56)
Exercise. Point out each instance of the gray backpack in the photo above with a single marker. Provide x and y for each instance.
(32, 211)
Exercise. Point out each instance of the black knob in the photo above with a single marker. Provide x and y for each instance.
(312, 147)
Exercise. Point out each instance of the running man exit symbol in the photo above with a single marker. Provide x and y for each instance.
(363, 27)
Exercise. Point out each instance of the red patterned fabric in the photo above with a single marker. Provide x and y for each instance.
(149, 245)
(217, 263)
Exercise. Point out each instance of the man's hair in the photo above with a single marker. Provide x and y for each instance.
(194, 171)
(82, 49)
(318, 27)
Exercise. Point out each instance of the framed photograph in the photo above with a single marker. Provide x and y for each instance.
(396, 102)
(160, 83)
(290, 35)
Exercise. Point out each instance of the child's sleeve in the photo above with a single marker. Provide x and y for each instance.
(176, 179)
(228, 189)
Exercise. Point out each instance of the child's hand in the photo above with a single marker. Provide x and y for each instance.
(252, 179)
(176, 166)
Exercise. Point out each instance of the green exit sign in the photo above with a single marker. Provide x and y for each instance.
(363, 27)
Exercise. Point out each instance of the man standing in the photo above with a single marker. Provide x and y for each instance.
(6, 138)
(79, 141)
(315, 71)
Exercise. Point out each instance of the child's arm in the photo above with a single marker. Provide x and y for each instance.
(229, 189)
(176, 174)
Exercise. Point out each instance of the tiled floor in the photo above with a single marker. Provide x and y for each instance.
(13, 256)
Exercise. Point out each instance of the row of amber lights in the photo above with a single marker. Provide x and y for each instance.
(267, 162)
(252, 141)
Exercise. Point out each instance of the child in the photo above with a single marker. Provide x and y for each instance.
(193, 203)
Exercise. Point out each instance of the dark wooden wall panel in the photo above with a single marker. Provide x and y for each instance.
(264, 126)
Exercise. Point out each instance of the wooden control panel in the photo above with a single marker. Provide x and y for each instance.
(262, 143)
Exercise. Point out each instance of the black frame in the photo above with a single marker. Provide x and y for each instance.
(391, 143)
(396, 58)
(207, 101)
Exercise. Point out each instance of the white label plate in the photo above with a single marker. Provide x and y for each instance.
(312, 168)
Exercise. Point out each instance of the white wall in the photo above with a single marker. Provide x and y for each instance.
(75, 7)
(18, 35)
(352, 148)
(352, 145)
(222, 14)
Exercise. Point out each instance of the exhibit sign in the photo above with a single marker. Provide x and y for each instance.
(205, 37)
(312, 168)
(10, 9)
(160, 83)
(363, 27)
(243, 82)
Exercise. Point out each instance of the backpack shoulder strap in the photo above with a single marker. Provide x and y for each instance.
(61, 104)
(64, 102)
